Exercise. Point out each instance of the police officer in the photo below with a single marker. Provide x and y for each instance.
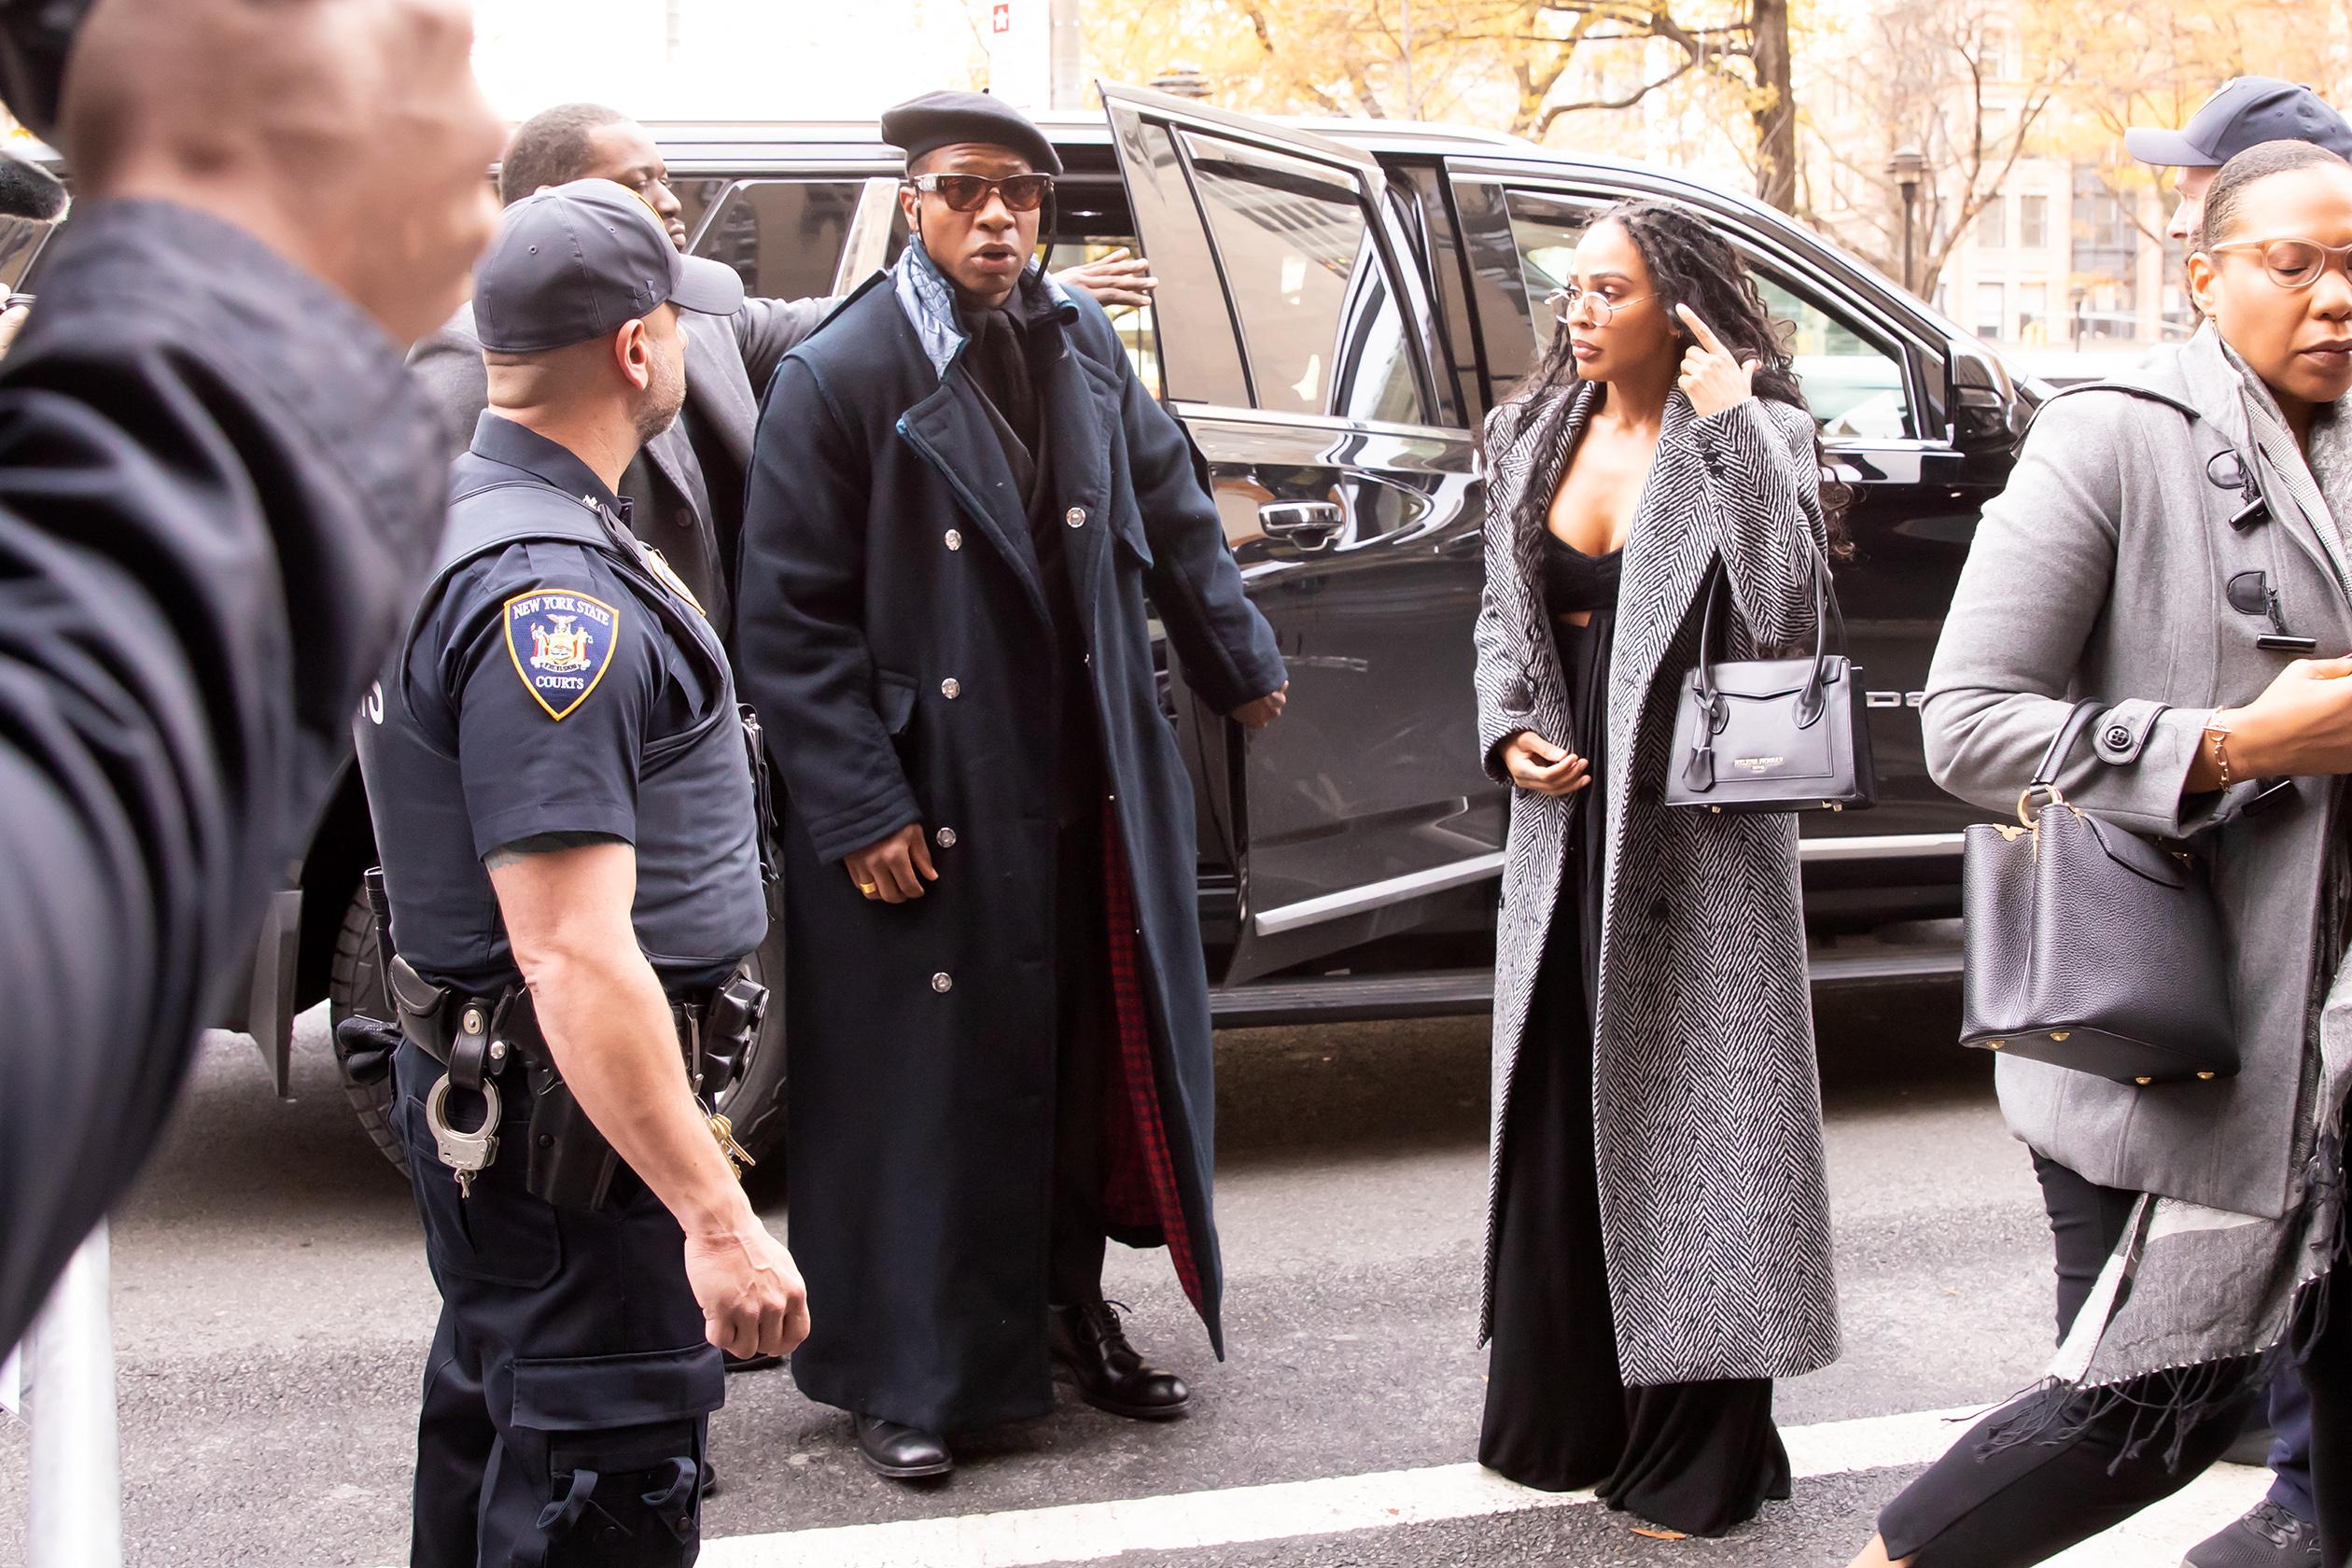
(566, 806)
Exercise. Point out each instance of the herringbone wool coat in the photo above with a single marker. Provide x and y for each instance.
(1706, 1104)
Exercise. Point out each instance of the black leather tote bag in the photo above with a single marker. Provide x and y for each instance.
(1773, 735)
(2088, 947)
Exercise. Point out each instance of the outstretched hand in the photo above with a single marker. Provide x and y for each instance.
(1115, 279)
(1712, 377)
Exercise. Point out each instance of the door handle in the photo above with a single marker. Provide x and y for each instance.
(1305, 525)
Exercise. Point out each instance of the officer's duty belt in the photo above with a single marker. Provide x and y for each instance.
(477, 1037)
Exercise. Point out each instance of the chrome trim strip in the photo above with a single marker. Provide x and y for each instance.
(1460, 874)
(1878, 846)
(1377, 895)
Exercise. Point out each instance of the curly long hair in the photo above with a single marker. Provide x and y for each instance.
(1691, 264)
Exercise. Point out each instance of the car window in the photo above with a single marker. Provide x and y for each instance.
(1545, 230)
(784, 237)
(1137, 325)
(1320, 323)
(1854, 386)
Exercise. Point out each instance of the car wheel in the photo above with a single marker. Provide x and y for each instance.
(355, 984)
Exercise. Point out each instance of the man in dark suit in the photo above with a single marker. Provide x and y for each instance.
(685, 489)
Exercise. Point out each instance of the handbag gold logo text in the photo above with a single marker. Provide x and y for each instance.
(1758, 764)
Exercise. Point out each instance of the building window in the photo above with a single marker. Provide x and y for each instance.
(1991, 225)
(1991, 309)
(2033, 221)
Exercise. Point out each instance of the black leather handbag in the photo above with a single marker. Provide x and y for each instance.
(2088, 947)
(1773, 735)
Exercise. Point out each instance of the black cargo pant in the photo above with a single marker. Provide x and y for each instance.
(569, 1385)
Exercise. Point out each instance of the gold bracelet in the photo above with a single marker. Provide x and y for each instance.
(2218, 734)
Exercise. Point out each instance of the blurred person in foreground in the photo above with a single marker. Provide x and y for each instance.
(2198, 1226)
(564, 791)
(219, 490)
(684, 492)
(1000, 1013)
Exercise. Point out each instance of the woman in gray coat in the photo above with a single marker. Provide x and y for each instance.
(2128, 562)
(1658, 1237)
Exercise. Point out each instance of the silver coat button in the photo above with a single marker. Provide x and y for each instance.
(1075, 517)
(955, 538)
(942, 983)
(951, 688)
(945, 837)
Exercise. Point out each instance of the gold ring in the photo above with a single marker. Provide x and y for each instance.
(869, 889)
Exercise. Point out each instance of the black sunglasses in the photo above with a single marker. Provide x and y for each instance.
(967, 193)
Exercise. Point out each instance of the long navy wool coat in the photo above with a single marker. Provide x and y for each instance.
(893, 635)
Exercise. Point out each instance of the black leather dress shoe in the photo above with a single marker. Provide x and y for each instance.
(1089, 1345)
(900, 1452)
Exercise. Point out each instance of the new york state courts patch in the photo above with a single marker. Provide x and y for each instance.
(562, 643)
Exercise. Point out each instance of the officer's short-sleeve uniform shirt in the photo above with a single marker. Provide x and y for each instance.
(558, 688)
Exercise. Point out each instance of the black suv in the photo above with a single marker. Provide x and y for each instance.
(1339, 305)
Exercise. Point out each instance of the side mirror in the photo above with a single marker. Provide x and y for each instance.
(1986, 413)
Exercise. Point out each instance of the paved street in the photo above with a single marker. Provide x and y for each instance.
(272, 1310)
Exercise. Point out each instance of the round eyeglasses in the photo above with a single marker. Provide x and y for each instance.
(2293, 263)
(1568, 302)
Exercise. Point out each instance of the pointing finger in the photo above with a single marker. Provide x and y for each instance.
(1700, 329)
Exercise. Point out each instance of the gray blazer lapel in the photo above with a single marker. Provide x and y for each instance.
(719, 386)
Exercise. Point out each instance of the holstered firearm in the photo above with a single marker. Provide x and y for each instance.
(571, 1163)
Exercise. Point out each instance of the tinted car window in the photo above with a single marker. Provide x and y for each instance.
(1854, 386)
(785, 237)
(1546, 230)
(1319, 320)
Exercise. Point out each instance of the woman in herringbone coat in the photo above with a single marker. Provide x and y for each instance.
(1659, 1232)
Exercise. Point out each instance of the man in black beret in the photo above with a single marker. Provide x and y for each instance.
(960, 495)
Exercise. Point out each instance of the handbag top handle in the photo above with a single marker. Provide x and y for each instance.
(2045, 779)
(1826, 612)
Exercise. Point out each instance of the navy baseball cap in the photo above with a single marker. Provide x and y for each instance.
(2246, 112)
(576, 261)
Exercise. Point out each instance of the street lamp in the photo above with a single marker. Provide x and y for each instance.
(1909, 167)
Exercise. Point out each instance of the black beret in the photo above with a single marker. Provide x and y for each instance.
(938, 120)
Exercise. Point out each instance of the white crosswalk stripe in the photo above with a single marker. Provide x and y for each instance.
(1092, 1531)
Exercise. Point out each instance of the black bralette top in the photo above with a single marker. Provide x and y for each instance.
(1573, 581)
